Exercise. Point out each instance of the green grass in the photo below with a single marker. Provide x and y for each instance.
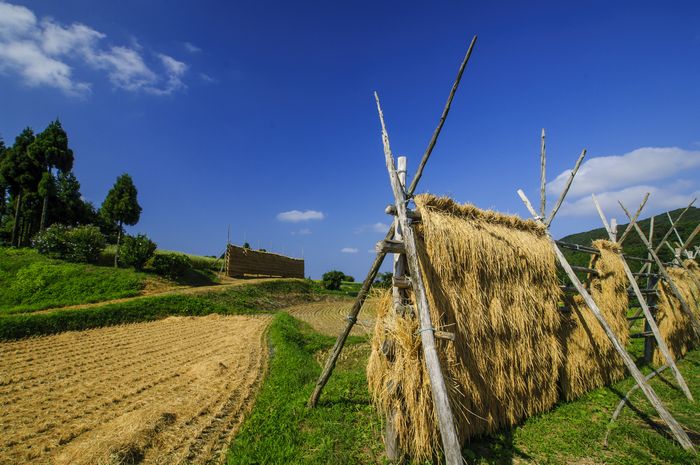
(30, 281)
(266, 297)
(343, 430)
(346, 429)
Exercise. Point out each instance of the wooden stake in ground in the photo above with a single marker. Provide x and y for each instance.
(667, 278)
(448, 433)
(352, 319)
(645, 308)
(676, 429)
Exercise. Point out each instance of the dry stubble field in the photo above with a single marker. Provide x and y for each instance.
(171, 391)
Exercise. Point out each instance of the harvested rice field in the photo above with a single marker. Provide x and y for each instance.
(171, 391)
(329, 317)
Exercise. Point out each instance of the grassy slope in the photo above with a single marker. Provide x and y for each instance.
(30, 281)
(633, 245)
(345, 428)
(263, 297)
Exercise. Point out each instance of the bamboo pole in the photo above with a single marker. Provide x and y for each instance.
(673, 225)
(691, 237)
(667, 278)
(628, 229)
(676, 429)
(351, 320)
(391, 442)
(566, 189)
(651, 323)
(441, 122)
(543, 178)
(450, 441)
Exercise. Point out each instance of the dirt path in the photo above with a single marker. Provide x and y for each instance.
(160, 291)
(171, 391)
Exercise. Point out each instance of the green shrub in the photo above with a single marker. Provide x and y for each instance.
(172, 265)
(348, 279)
(136, 251)
(85, 243)
(384, 279)
(332, 279)
(52, 241)
(80, 244)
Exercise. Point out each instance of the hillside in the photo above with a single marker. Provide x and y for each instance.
(633, 246)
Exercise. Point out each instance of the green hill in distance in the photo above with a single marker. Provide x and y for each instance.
(633, 245)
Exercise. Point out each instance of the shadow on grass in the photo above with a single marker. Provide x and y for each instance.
(495, 450)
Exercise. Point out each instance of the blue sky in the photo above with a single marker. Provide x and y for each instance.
(238, 114)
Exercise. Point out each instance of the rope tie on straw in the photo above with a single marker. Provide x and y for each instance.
(425, 329)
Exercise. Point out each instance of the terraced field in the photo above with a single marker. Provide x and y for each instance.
(329, 317)
(172, 391)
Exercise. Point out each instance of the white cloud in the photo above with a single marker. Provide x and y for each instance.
(376, 227)
(46, 53)
(192, 48)
(601, 174)
(294, 216)
(661, 199)
(348, 250)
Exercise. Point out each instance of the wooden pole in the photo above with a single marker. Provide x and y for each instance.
(443, 117)
(351, 320)
(543, 178)
(450, 441)
(391, 443)
(673, 225)
(667, 278)
(680, 241)
(691, 237)
(628, 229)
(676, 429)
(566, 189)
(651, 323)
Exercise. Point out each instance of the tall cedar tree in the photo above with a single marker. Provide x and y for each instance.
(22, 175)
(50, 151)
(121, 207)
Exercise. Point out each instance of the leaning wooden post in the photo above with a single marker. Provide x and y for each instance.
(441, 122)
(562, 196)
(676, 429)
(441, 402)
(667, 278)
(628, 229)
(351, 320)
(650, 322)
(673, 225)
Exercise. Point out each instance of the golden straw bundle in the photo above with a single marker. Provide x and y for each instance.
(674, 324)
(491, 280)
(590, 360)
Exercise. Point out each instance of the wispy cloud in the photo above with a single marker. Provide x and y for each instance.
(47, 53)
(601, 174)
(302, 232)
(192, 48)
(628, 177)
(375, 228)
(206, 78)
(295, 216)
(348, 250)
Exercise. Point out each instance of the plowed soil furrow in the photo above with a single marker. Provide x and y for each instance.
(330, 317)
(172, 391)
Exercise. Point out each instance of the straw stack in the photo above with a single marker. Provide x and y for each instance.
(491, 280)
(590, 360)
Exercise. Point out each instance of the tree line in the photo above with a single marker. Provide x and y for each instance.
(38, 189)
